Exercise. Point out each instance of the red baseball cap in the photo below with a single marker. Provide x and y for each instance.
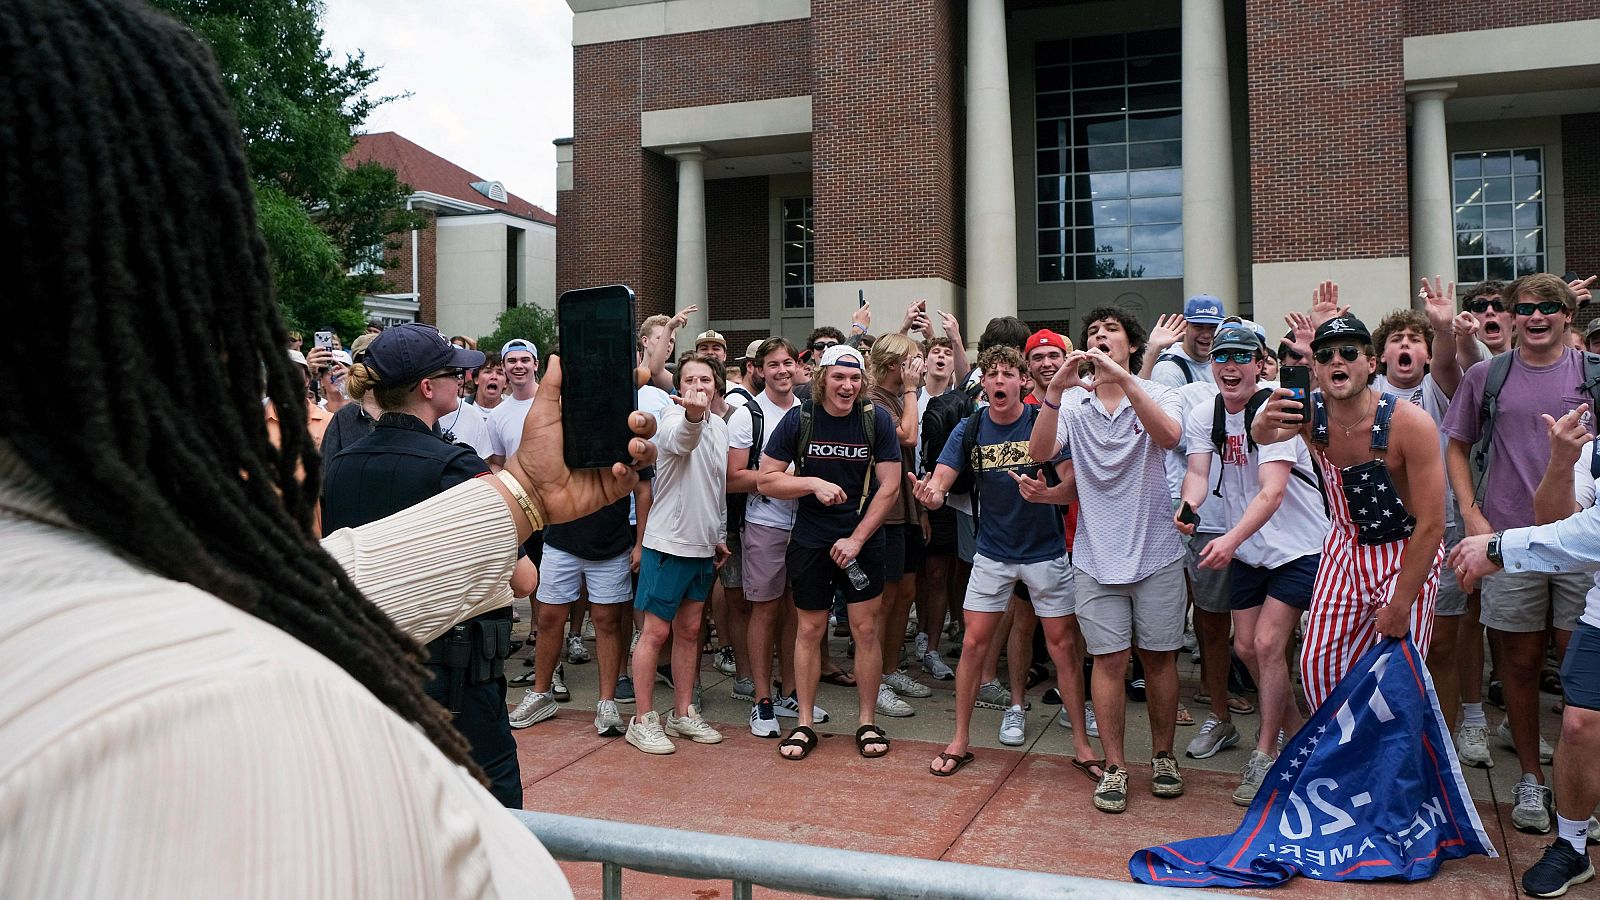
(1044, 337)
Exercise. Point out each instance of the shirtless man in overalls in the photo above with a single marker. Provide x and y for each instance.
(1384, 481)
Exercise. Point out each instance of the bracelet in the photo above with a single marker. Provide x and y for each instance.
(522, 498)
(860, 326)
(1046, 401)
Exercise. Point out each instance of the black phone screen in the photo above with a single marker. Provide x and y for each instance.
(1298, 380)
(597, 384)
(1187, 515)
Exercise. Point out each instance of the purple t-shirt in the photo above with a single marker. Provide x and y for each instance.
(1521, 442)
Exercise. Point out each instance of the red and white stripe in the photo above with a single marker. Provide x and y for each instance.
(1353, 583)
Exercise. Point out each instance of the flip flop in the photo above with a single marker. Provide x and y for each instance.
(871, 734)
(1239, 706)
(794, 740)
(840, 677)
(1184, 716)
(960, 763)
(1089, 766)
(523, 680)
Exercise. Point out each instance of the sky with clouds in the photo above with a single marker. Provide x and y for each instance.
(490, 80)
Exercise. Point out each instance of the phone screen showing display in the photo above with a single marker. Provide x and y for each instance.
(598, 391)
(1298, 380)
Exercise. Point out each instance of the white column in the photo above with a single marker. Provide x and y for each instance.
(991, 186)
(690, 287)
(1210, 216)
(1433, 246)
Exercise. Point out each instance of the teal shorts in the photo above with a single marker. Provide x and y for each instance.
(665, 581)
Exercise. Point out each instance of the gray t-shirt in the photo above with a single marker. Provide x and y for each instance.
(1125, 531)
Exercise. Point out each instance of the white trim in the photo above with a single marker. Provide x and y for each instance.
(1501, 51)
(778, 117)
(599, 22)
(492, 217)
(440, 201)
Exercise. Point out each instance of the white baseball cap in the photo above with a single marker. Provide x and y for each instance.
(842, 355)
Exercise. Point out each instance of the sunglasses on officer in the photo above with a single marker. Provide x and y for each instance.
(1545, 307)
(1350, 353)
(1482, 306)
(1237, 357)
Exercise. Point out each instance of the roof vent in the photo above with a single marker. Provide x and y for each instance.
(494, 190)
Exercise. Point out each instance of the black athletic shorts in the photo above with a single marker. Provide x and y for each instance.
(943, 540)
(813, 575)
(902, 551)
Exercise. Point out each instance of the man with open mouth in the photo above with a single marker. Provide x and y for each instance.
(1384, 483)
(1485, 300)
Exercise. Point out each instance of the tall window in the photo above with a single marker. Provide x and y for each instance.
(797, 254)
(1109, 157)
(1499, 212)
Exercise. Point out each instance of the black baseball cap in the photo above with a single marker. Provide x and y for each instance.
(407, 353)
(1345, 328)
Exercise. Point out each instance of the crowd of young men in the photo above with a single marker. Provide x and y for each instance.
(1106, 494)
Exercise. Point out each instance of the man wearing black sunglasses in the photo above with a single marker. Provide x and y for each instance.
(1542, 376)
(1384, 483)
(1484, 301)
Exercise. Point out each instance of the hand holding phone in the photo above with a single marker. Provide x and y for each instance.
(597, 360)
(1297, 380)
(1187, 515)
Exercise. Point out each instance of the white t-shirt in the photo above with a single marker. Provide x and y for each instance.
(1585, 488)
(757, 508)
(654, 400)
(1299, 526)
(1431, 398)
(1202, 389)
(468, 426)
(1198, 396)
(505, 426)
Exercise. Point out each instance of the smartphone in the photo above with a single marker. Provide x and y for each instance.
(861, 299)
(1187, 515)
(324, 339)
(1298, 380)
(597, 362)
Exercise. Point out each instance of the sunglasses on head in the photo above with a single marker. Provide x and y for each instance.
(1545, 307)
(1238, 357)
(1350, 352)
(1483, 306)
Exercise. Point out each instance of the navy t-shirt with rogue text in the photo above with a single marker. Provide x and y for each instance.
(838, 454)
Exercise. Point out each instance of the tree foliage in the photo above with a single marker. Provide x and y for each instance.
(534, 323)
(298, 111)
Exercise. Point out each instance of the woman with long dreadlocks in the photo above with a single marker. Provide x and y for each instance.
(200, 698)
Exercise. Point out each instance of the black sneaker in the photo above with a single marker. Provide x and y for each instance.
(1496, 694)
(1239, 680)
(1052, 696)
(1135, 683)
(664, 674)
(1561, 867)
(1037, 675)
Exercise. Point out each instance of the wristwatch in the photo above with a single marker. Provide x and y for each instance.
(1493, 552)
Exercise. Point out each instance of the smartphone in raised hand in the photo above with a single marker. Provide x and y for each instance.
(598, 391)
(1297, 379)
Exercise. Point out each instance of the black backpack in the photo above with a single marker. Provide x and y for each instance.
(1499, 369)
(1184, 364)
(736, 502)
(939, 421)
(1219, 440)
(869, 425)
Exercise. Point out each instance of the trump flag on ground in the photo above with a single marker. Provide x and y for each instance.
(1369, 789)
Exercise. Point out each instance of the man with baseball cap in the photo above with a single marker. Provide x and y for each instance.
(711, 343)
(846, 476)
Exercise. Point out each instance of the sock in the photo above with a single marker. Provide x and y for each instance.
(1472, 714)
(1573, 831)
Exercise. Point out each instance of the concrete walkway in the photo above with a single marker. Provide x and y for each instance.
(1023, 808)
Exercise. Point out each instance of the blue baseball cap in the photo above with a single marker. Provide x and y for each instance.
(1203, 309)
(407, 353)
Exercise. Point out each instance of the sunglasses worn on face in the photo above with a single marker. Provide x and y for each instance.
(1350, 352)
(457, 374)
(1482, 306)
(822, 346)
(1238, 357)
(1545, 307)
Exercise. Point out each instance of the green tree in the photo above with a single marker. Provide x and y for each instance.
(298, 111)
(534, 323)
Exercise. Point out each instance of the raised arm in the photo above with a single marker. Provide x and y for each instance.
(1439, 300)
(952, 330)
(1159, 417)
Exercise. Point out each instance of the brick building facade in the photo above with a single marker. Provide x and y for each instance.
(774, 160)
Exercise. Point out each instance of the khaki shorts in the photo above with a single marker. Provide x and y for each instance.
(1049, 584)
(1210, 585)
(1147, 614)
(761, 561)
(1521, 601)
(1452, 599)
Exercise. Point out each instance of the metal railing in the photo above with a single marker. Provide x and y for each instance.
(804, 869)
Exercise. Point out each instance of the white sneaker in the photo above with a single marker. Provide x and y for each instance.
(1546, 753)
(588, 628)
(934, 665)
(891, 705)
(1472, 746)
(763, 721)
(906, 686)
(1090, 726)
(693, 727)
(1531, 813)
(558, 684)
(577, 654)
(1064, 720)
(645, 733)
(789, 707)
(1013, 727)
(921, 644)
(607, 721)
(534, 708)
(724, 662)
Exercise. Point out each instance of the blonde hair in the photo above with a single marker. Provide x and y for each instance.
(651, 324)
(362, 379)
(888, 350)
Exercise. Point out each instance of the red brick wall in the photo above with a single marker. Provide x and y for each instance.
(728, 65)
(566, 263)
(1328, 157)
(884, 140)
(1443, 16)
(1580, 160)
(737, 249)
(398, 276)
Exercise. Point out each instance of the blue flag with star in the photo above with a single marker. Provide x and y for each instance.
(1369, 789)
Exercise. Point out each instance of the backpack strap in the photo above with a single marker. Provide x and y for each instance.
(1483, 453)
(1319, 419)
(758, 428)
(804, 447)
(869, 425)
(1188, 373)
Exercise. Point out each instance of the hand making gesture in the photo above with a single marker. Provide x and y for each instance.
(1568, 435)
(1325, 303)
(1066, 377)
(923, 489)
(1169, 330)
(695, 402)
(1301, 332)
(1439, 302)
(682, 318)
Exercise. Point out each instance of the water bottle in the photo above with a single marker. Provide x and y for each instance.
(857, 577)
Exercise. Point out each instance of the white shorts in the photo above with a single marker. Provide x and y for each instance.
(562, 576)
(992, 583)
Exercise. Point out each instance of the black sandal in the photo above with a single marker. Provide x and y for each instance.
(793, 740)
(871, 734)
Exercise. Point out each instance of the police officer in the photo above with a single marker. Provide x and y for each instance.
(413, 373)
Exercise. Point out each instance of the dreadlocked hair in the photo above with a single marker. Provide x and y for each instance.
(131, 215)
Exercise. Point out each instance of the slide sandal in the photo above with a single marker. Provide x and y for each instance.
(960, 763)
(871, 734)
(794, 740)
